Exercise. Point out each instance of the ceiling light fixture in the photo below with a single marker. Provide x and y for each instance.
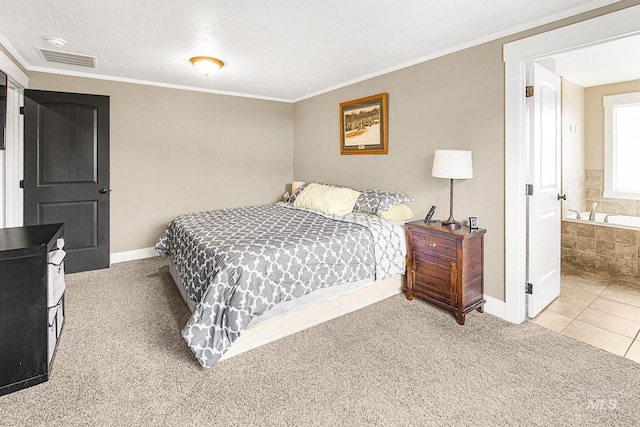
(206, 64)
(55, 41)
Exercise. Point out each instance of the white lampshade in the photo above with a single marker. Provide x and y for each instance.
(452, 164)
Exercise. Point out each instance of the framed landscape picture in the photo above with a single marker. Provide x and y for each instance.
(363, 125)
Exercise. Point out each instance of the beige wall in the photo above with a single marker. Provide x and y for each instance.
(176, 151)
(573, 126)
(595, 119)
(573, 145)
(456, 101)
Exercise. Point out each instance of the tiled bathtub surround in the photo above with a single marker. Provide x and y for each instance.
(594, 187)
(573, 187)
(583, 188)
(601, 247)
(598, 247)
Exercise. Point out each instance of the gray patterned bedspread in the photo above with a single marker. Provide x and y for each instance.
(239, 263)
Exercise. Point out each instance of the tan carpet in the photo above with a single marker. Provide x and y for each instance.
(122, 362)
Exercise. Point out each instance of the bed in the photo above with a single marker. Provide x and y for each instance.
(237, 267)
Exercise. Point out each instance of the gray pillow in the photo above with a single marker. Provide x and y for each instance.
(377, 201)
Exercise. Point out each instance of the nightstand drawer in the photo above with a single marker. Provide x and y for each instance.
(434, 277)
(433, 244)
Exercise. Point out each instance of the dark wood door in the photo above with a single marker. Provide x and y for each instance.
(66, 172)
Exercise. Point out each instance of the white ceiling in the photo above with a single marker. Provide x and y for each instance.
(609, 62)
(284, 50)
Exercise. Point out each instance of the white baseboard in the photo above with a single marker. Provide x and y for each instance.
(495, 307)
(117, 257)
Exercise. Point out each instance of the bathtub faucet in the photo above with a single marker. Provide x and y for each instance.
(606, 218)
(592, 213)
(578, 216)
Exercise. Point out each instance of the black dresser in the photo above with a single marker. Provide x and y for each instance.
(27, 319)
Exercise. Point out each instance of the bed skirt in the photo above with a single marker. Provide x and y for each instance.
(312, 309)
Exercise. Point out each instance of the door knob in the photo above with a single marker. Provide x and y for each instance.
(562, 197)
(104, 191)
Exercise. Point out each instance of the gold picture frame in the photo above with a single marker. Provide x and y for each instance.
(363, 125)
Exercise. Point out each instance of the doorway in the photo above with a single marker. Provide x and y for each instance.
(66, 172)
(517, 55)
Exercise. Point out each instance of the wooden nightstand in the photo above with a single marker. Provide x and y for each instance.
(446, 267)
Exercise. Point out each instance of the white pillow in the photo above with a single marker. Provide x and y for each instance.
(330, 200)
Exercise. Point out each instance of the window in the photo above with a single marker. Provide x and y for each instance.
(622, 146)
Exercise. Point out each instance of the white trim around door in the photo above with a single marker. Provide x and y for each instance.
(605, 28)
(12, 157)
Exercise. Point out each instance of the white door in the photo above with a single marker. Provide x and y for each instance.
(543, 207)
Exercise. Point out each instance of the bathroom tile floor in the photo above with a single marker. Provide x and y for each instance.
(599, 309)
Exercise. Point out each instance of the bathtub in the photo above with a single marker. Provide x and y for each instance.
(610, 247)
(619, 221)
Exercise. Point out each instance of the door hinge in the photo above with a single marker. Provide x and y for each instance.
(21, 183)
(529, 91)
(528, 288)
(22, 110)
(529, 189)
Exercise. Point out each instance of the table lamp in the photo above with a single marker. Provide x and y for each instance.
(452, 164)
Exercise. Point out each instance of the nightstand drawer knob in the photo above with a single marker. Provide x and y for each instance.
(432, 244)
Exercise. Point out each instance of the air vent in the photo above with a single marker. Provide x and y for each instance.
(68, 58)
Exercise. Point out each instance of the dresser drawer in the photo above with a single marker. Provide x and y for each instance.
(432, 243)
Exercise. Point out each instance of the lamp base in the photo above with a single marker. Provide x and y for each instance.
(451, 223)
